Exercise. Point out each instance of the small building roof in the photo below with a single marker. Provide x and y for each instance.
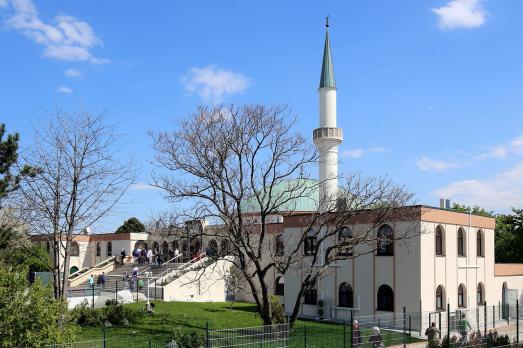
(508, 269)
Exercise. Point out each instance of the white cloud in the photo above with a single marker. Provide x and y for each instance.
(496, 152)
(516, 145)
(73, 73)
(359, 153)
(460, 14)
(212, 84)
(64, 90)
(66, 38)
(141, 186)
(500, 193)
(428, 164)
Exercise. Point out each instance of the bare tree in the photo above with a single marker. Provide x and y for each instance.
(244, 167)
(79, 180)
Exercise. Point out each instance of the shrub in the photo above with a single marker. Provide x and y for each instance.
(112, 313)
(277, 313)
(184, 339)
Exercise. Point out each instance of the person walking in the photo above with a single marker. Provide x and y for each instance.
(102, 279)
(150, 256)
(432, 334)
(356, 334)
(464, 327)
(91, 281)
(375, 338)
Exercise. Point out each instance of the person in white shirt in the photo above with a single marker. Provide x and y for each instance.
(150, 256)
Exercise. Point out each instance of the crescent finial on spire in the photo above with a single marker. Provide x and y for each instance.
(327, 21)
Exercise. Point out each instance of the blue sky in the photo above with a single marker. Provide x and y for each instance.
(429, 92)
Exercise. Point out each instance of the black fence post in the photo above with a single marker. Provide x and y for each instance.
(404, 327)
(104, 345)
(448, 324)
(485, 321)
(93, 297)
(439, 324)
(410, 326)
(517, 321)
(352, 328)
(207, 343)
(136, 289)
(305, 336)
(155, 289)
(116, 293)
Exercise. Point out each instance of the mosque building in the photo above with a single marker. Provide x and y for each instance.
(450, 261)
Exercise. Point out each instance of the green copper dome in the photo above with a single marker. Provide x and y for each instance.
(327, 69)
(297, 195)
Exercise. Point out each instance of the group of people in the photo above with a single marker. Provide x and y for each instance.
(375, 338)
(462, 325)
(132, 280)
(153, 257)
(100, 280)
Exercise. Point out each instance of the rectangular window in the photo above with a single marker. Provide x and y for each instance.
(310, 246)
(311, 297)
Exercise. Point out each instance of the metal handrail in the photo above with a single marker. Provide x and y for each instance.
(83, 270)
(181, 268)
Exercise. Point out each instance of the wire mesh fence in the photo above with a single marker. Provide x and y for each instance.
(482, 327)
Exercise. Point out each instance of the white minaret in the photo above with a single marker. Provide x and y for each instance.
(328, 137)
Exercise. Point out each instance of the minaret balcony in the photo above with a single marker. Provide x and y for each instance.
(328, 133)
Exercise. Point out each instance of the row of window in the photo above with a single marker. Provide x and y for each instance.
(462, 296)
(461, 242)
(385, 245)
(385, 296)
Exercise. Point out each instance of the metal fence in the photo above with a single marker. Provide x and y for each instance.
(483, 327)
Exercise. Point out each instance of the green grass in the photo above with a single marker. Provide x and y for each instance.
(195, 317)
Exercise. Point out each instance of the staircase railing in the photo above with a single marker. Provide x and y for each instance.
(170, 273)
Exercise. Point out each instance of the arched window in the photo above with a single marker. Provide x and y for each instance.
(109, 249)
(73, 269)
(224, 247)
(74, 249)
(461, 242)
(479, 294)
(345, 241)
(440, 296)
(385, 298)
(462, 296)
(439, 241)
(310, 296)
(165, 248)
(98, 249)
(385, 241)
(156, 247)
(504, 305)
(345, 296)
(479, 244)
(212, 248)
(310, 243)
(280, 286)
(279, 245)
(175, 245)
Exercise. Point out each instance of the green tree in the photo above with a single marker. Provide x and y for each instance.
(509, 237)
(131, 225)
(29, 316)
(476, 210)
(9, 180)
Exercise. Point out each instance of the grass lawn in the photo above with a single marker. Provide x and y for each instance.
(195, 316)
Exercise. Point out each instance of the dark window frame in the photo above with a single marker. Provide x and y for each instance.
(345, 296)
(310, 296)
(440, 251)
(279, 287)
(385, 297)
(385, 237)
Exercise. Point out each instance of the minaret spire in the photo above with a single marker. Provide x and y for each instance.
(327, 137)
(327, 68)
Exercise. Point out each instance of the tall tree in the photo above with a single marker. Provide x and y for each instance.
(240, 167)
(509, 237)
(80, 179)
(131, 225)
(9, 182)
